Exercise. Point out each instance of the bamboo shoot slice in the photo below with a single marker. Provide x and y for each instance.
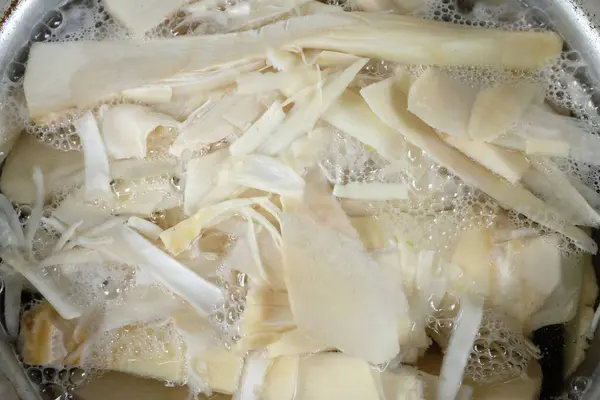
(304, 115)
(352, 115)
(410, 40)
(547, 147)
(151, 94)
(126, 127)
(332, 59)
(551, 184)
(57, 168)
(86, 72)
(498, 108)
(200, 178)
(140, 17)
(390, 105)
(332, 300)
(372, 191)
(472, 255)
(510, 165)
(260, 131)
(442, 102)
(295, 343)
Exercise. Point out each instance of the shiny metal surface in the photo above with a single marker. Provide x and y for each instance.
(578, 21)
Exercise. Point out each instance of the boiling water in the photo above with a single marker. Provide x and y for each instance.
(498, 353)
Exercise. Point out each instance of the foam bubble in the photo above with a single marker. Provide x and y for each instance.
(499, 354)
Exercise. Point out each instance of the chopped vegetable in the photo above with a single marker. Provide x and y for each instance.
(472, 256)
(181, 236)
(97, 170)
(200, 178)
(352, 115)
(125, 129)
(295, 343)
(255, 369)
(565, 135)
(58, 169)
(405, 40)
(498, 108)
(372, 191)
(391, 106)
(459, 347)
(141, 17)
(330, 299)
(508, 164)
(549, 182)
(305, 114)
(265, 173)
(546, 147)
(444, 103)
(152, 94)
(260, 131)
(136, 250)
(99, 69)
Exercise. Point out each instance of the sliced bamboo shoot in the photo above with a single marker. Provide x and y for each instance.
(332, 300)
(260, 131)
(295, 343)
(86, 72)
(140, 17)
(57, 168)
(510, 165)
(126, 127)
(266, 318)
(442, 102)
(410, 40)
(332, 59)
(97, 169)
(551, 184)
(304, 115)
(327, 376)
(390, 105)
(547, 147)
(499, 107)
(472, 255)
(200, 178)
(220, 368)
(151, 94)
(564, 134)
(372, 191)
(352, 115)
(372, 232)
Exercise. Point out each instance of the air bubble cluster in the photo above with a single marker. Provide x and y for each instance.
(227, 317)
(499, 354)
(56, 382)
(153, 342)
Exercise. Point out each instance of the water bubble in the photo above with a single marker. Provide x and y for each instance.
(15, 71)
(53, 19)
(77, 376)
(35, 375)
(41, 33)
(122, 189)
(176, 182)
(580, 384)
(63, 375)
(52, 392)
(49, 374)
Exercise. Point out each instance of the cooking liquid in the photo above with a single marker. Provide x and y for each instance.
(568, 89)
